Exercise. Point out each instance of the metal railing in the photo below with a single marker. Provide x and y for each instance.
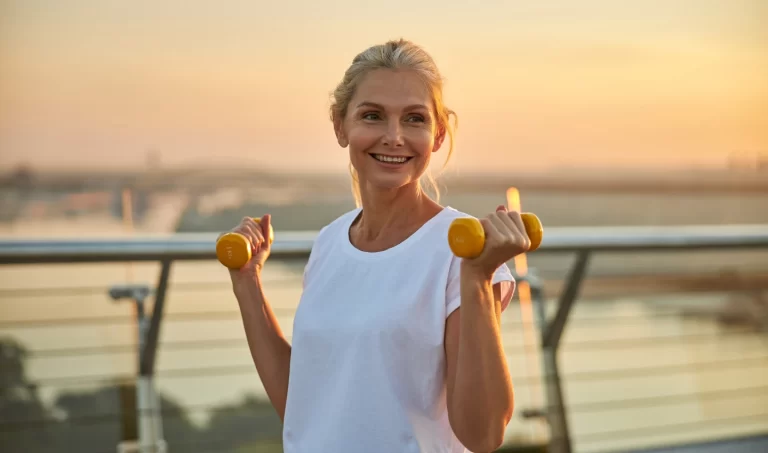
(296, 245)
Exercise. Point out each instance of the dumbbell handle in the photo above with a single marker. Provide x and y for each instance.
(466, 236)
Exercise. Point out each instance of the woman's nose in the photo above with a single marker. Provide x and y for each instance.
(394, 135)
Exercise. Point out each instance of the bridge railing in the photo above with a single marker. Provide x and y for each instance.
(551, 318)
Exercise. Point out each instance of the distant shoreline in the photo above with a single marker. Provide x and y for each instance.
(578, 180)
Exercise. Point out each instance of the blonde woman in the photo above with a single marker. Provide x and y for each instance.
(396, 342)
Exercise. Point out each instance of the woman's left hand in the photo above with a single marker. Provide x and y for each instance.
(505, 238)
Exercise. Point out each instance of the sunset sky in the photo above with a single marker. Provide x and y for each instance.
(652, 83)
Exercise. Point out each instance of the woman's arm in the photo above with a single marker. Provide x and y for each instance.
(270, 351)
(480, 394)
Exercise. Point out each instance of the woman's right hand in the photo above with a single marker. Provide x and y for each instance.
(257, 234)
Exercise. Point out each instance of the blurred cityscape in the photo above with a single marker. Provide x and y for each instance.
(211, 199)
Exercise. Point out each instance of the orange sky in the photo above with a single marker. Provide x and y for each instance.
(535, 84)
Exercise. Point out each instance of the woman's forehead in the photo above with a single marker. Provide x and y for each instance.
(393, 87)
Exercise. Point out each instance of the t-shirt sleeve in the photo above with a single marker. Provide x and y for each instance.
(502, 276)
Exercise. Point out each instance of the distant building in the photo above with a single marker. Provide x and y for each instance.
(757, 162)
(762, 164)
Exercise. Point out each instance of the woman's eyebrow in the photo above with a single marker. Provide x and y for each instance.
(380, 107)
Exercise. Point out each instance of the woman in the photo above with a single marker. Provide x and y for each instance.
(396, 342)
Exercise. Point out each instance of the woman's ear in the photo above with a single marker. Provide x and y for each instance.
(439, 138)
(341, 137)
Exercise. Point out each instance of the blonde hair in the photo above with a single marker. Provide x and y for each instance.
(398, 54)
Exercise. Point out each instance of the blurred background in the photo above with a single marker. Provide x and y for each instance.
(134, 119)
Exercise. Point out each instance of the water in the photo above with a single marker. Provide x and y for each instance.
(637, 371)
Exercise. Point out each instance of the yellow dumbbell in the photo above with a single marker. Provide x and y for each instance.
(234, 250)
(466, 236)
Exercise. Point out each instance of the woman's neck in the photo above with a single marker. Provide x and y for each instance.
(388, 217)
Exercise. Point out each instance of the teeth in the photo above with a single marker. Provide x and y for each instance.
(391, 159)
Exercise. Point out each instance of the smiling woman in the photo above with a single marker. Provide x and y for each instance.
(396, 341)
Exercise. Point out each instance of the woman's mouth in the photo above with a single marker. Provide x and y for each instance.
(391, 159)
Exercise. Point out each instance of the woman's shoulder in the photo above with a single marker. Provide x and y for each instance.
(433, 235)
(448, 215)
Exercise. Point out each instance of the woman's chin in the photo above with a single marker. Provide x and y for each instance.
(389, 182)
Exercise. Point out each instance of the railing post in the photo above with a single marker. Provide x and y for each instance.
(145, 407)
(551, 332)
(149, 416)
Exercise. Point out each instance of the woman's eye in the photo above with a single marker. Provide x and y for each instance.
(416, 118)
(370, 116)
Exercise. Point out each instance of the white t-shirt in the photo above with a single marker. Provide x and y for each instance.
(368, 360)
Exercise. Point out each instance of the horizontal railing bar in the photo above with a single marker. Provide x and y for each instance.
(667, 400)
(181, 287)
(297, 244)
(583, 376)
(659, 400)
(179, 246)
(235, 343)
(663, 370)
(673, 427)
(595, 322)
(614, 343)
(594, 345)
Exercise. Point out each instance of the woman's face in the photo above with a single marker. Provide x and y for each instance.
(390, 128)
